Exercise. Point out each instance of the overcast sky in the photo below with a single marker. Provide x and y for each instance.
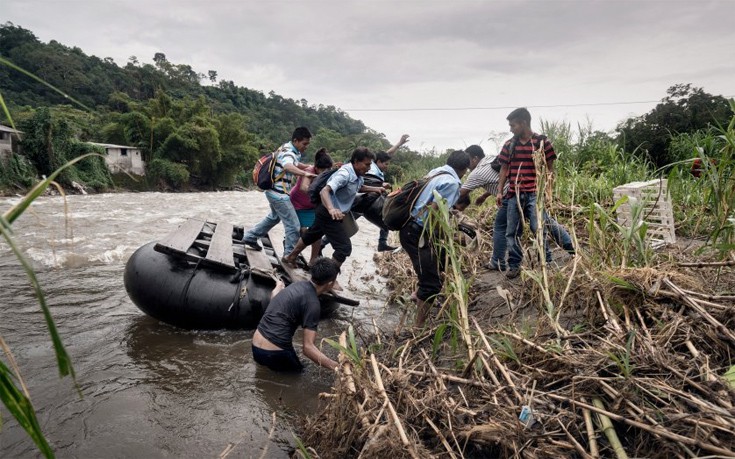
(382, 62)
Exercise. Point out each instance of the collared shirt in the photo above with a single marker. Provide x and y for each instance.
(484, 176)
(447, 185)
(344, 185)
(375, 170)
(287, 154)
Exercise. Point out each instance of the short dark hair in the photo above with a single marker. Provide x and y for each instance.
(475, 151)
(520, 114)
(463, 201)
(382, 157)
(322, 159)
(458, 160)
(301, 133)
(324, 270)
(360, 154)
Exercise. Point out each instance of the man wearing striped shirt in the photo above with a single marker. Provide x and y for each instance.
(288, 165)
(518, 169)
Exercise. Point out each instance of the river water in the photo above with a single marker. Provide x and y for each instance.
(148, 389)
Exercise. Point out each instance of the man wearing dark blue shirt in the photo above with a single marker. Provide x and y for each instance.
(294, 306)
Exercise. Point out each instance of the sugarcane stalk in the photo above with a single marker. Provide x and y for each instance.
(609, 430)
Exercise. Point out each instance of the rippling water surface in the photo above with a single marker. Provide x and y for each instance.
(149, 389)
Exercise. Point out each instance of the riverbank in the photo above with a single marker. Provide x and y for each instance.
(588, 360)
(123, 183)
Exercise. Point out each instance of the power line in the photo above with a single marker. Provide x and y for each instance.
(450, 109)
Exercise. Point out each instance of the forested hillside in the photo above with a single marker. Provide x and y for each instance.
(190, 127)
(196, 131)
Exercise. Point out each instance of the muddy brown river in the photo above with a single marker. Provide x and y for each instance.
(148, 389)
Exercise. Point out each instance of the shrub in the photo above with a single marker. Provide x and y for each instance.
(172, 174)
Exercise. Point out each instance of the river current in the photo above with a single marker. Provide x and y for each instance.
(149, 389)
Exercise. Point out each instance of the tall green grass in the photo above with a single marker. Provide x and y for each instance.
(457, 284)
(13, 391)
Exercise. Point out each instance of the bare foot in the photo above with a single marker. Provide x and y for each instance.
(414, 296)
(291, 263)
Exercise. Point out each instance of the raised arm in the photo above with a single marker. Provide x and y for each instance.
(313, 353)
(394, 148)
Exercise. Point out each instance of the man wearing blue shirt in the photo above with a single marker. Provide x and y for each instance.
(418, 241)
(336, 200)
(376, 173)
(288, 164)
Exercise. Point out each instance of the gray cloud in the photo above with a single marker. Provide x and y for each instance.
(411, 54)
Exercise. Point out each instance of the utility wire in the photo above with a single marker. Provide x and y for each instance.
(447, 109)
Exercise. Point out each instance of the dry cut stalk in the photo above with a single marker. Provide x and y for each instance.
(591, 436)
(609, 431)
(652, 429)
(497, 363)
(391, 409)
(694, 305)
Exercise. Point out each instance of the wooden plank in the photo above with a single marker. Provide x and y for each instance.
(237, 250)
(220, 249)
(181, 239)
(294, 273)
(259, 263)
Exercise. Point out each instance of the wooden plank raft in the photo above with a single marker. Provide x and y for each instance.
(220, 251)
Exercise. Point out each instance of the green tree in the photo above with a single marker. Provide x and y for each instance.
(685, 109)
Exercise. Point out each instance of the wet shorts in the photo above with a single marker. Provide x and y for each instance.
(283, 360)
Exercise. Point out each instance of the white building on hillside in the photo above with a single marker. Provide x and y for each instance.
(121, 158)
(8, 142)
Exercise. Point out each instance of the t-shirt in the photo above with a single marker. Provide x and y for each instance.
(522, 172)
(300, 199)
(295, 305)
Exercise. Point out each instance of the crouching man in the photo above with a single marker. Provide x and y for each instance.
(294, 306)
(425, 252)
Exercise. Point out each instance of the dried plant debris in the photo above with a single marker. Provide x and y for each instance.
(625, 362)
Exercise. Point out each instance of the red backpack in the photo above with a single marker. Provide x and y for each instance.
(264, 170)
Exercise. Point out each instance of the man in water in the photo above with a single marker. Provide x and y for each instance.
(291, 307)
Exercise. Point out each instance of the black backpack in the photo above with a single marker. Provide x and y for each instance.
(495, 164)
(318, 184)
(398, 205)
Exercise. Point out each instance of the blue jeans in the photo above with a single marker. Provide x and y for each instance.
(559, 234)
(281, 210)
(499, 242)
(514, 230)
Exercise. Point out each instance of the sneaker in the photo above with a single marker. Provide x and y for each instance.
(386, 248)
(492, 266)
(252, 244)
(512, 273)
